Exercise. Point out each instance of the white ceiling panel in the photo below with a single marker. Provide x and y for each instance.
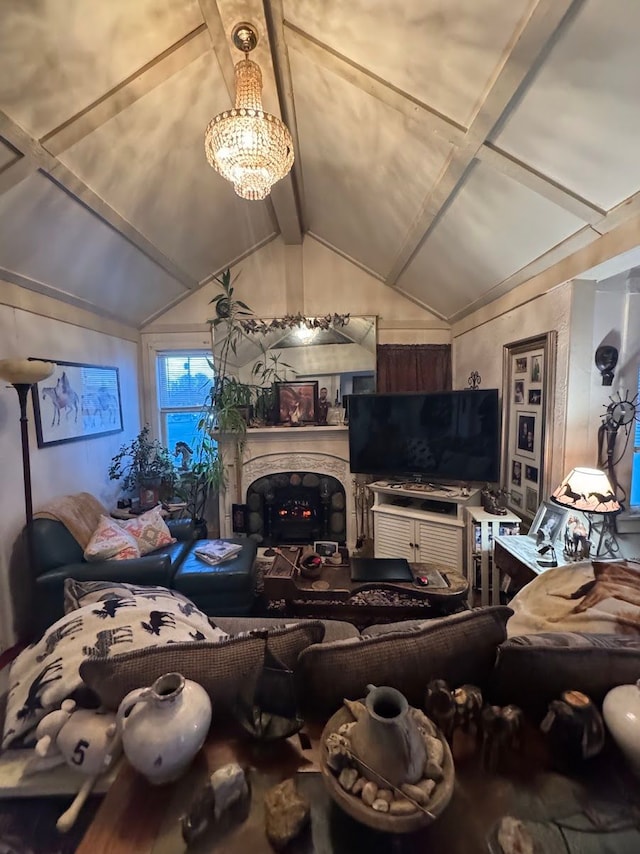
(579, 122)
(48, 237)
(443, 52)
(365, 173)
(493, 228)
(148, 163)
(58, 56)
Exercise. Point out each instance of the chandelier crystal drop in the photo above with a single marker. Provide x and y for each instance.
(247, 146)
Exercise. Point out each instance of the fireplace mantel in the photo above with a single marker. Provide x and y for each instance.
(268, 450)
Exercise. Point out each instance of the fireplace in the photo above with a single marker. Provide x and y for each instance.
(296, 507)
(315, 454)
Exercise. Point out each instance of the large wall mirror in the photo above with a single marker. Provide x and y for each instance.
(342, 358)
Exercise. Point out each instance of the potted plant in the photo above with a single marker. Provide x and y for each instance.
(145, 467)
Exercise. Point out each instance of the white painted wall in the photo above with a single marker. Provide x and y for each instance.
(480, 349)
(60, 469)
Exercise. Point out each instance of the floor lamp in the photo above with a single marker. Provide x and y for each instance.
(22, 374)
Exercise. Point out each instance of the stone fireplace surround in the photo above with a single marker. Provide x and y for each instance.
(270, 450)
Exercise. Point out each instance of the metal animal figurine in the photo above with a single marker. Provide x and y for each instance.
(501, 731)
(440, 706)
(468, 707)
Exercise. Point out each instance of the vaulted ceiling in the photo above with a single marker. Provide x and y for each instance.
(451, 148)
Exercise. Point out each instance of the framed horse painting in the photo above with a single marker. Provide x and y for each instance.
(76, 402)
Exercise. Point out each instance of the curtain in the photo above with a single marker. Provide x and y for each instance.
(413, 367)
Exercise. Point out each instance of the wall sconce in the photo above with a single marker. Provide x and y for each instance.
(606, 360)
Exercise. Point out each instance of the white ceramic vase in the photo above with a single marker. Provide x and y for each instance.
(164, 726)
(621, 712)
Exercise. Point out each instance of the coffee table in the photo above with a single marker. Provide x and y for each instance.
(135, 816)
(334, 596)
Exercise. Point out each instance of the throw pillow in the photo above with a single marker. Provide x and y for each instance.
(110, 542)
(48, 671)
(460, 648)
(532, 670)
(80, 593)
(149, 530)
(221, 668)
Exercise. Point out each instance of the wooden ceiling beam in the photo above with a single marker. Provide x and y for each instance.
(529, 47)
(528, 177)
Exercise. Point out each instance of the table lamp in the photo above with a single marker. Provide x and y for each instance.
(22, 374)
(590, 492)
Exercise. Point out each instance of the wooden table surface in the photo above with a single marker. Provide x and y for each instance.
(137, 817)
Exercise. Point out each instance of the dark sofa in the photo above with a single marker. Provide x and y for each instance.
(227, 589)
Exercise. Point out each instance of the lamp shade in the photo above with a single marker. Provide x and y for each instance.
(21, 371)
(588, 490)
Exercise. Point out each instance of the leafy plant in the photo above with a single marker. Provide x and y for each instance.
(142, 459)
(204, 473)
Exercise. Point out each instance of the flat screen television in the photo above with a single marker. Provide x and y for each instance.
(444, 436)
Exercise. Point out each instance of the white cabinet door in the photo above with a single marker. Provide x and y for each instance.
(439, 544)
(394, 536)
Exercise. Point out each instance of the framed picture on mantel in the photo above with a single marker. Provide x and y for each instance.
(528, 386)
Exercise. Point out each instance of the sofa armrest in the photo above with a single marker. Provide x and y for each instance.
(150, 569)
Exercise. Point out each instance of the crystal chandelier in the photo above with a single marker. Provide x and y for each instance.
(247, 146)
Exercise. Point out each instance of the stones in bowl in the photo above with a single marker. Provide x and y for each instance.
(394, 810)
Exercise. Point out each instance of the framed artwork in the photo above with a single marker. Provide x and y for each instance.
(518, 393)
(516, 472)
(78, 401)
(535, 396)
(549, 522)
(526, 437)
(297, 400)
(528, 383)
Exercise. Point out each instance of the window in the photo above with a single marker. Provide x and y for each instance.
(634, 500)
(184, 381)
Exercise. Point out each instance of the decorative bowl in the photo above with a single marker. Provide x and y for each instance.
(352, 804)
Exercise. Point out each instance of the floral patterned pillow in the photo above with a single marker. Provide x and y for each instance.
(149, 530)
(110, 541)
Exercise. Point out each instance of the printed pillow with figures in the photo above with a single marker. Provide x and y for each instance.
(149, 530)
(48, 671)
(111, 542)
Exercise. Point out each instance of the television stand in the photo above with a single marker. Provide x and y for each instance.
(421, 522)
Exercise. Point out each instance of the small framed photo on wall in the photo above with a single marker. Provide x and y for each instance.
(532, 500)
(516, 472)
(526, 439)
